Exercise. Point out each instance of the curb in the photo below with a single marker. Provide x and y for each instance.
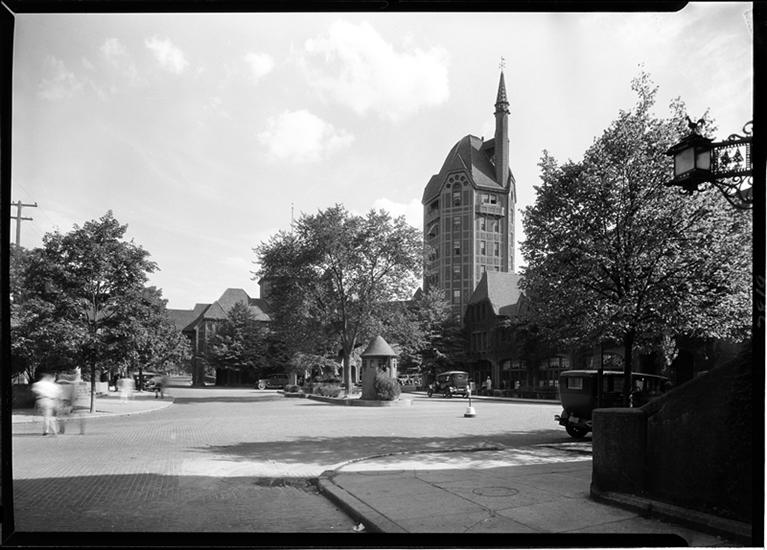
(362, 512)
(357, 402)
(499, 398)
(359, 511)
(700, 521)
(26, 419)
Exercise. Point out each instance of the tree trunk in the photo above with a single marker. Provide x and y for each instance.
(628, 346)
(93, 387)
(348, 372)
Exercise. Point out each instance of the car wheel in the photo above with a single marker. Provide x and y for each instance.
(261, 386)
(576, 432)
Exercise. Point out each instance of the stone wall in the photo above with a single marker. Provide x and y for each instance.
(692, 447)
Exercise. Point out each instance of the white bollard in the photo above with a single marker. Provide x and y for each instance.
(470, 412)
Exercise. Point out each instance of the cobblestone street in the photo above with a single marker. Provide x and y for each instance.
(244, 457)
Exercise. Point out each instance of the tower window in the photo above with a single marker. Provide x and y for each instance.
(482, 248)
(482, 223)
(496, 249)
(456, 195)
(495, 226)
(457, 248)
(456, 221)
(456, 296)
(493, 198)
(456, 269)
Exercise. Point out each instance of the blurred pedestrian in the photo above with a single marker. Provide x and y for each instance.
(158, 385)
(47, 392)
(125, 386)
(81, 402)
(63, 406)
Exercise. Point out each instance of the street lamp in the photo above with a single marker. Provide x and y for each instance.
(724, 164)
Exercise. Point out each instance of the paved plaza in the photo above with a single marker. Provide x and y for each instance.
(216, 460)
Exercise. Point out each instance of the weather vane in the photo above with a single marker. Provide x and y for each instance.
(502, 64)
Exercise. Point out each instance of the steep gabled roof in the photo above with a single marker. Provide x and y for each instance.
(218, 310)
(183, 318)
(472, 156)
(499, 288)
(260, 309)
(215, 312)
(232, 296)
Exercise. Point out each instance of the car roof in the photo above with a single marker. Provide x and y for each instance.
(452, 372)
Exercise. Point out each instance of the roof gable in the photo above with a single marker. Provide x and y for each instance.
(499, 288)
(471, 155)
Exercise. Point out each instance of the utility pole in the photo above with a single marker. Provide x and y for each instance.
(19, 219)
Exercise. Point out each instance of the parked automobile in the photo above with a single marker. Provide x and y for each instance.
(450, 383)
(578, 394)
(273, 381)
(409, 381)
(143, 382)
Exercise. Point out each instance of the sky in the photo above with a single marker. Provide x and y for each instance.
(204, 133)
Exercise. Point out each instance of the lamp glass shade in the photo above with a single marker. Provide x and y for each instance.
(684, 161)
(703, 159)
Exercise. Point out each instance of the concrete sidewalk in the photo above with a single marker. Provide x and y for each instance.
(109, 405)
(396, 494)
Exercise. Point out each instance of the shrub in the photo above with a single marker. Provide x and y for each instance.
(292, 388)
(387, 388)
(329, 390)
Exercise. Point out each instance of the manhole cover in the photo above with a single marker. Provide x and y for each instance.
(495, 491)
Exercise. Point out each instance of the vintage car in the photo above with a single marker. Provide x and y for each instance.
(450, 383)
(143, 382)
(273, 381)
(578, 391)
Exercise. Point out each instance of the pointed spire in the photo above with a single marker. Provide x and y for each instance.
(501, 102)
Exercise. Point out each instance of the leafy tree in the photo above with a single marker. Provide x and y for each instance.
(613, 254)
(239, 343)
(80, 288)
(331, 273)
(146, 336)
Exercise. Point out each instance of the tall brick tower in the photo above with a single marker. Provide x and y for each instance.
(468, 212)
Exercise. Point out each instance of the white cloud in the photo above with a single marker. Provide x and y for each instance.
(413, 210)
(167, 54)
(302, 136)
(113, 50)
(58, 82)
(116, 54)
(354, 65)
(260, 64)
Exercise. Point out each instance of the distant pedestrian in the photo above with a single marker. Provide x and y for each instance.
(158, 385)
(47, 392)
(81, 397)
(125, 387)
(488, 385)
(64, 403)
